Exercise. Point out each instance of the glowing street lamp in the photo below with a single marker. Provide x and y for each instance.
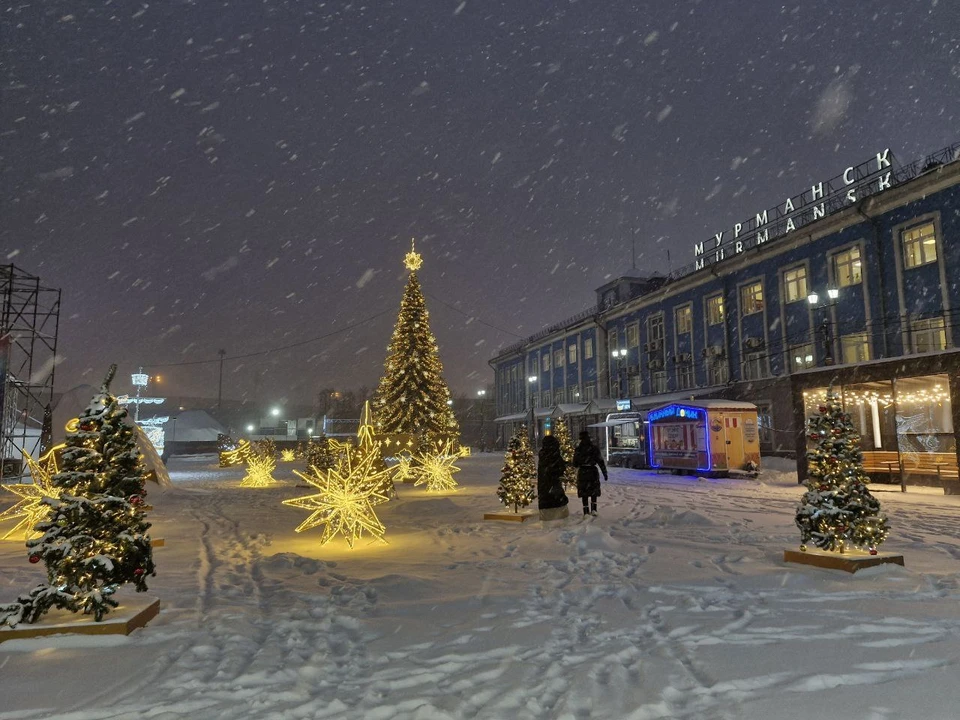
(275, 412)
(249, 428)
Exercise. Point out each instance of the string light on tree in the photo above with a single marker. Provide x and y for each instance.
(31, 508)
(344, 505)
(94, 539)
(837, 512)
(518, 478)
(412, 396)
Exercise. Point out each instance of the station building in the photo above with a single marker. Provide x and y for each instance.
(853, 284)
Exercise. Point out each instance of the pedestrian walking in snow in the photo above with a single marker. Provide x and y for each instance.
(589, 463)
(551, 499)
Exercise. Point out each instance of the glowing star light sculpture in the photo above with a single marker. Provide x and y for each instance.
(31, 507)
(348, 494)
(260, 469)
(288, 455)
(435, 470)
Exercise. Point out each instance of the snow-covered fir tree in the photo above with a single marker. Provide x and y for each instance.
(95, 538)
(837, 511)
(518, 478)
(413, 396)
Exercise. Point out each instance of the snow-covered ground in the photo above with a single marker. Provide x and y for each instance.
(673, 603)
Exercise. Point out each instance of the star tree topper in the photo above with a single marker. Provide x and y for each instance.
(413, 260)
(348, 493)
(31, 506)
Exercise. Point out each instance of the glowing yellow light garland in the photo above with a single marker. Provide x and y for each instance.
(348, 494)
(435, 470)
(31, 507)
(237, 456)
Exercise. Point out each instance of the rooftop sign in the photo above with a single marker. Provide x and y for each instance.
(822, 199)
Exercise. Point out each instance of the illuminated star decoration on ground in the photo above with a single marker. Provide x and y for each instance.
(30, 507)
(412, 260)
(404, 469)
(288, 455)
(436, 469)
(348, 494)
(259, 471)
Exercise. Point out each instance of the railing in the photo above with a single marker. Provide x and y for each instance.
(520, 344)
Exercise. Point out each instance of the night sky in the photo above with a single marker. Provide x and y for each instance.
(248, 175)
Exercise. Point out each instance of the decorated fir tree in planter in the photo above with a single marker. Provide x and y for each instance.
(837, 512)
(94, 539)
(413, 396)
(562, 433)
(518, 478)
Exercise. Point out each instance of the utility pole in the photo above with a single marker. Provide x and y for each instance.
(222, 354)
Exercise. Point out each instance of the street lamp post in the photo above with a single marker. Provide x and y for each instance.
(621, 357)
(531, 427)
(826, 330)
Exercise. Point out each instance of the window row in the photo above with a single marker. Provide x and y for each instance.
(556, 358)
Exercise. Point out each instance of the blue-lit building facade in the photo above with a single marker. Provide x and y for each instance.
(854, 283)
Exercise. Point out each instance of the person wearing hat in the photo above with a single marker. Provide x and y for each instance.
(551, 498)
(589, 463)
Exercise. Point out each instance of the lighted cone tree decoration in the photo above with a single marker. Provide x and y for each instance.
(344, 505)
(367, 444)
(413, 396)
(837, 512)
(95, 538)
(435, 469)
(31, 508)
(518, 478)
(562, 433)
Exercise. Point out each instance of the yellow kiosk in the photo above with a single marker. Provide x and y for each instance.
(709, 436)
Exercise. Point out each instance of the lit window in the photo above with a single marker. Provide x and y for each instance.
(919, 245)
(855, 348)
(715, 310)
(795, 285)
(558, 358)
(571, 354)
(633, 335)
(929, 335)
(847, 268)
(545, 361)
(801, 357)
(684, 316)
(587, 349)
(751, 298)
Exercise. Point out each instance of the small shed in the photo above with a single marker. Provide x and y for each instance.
(706, 436)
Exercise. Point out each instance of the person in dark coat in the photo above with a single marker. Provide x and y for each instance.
(550, 467)
(589, 463)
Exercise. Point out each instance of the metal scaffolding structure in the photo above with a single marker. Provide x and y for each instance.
(29, 323)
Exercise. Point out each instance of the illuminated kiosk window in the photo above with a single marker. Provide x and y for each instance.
(924, 421)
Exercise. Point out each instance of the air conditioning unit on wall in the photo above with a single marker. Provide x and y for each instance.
(752, 343)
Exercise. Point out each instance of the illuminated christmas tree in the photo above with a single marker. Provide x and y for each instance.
(413, 397)
(518, 478)
(562, 433)
(95, 538)
(318, 453)
(837, 512)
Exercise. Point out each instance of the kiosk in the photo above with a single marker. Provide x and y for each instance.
(710, 436)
